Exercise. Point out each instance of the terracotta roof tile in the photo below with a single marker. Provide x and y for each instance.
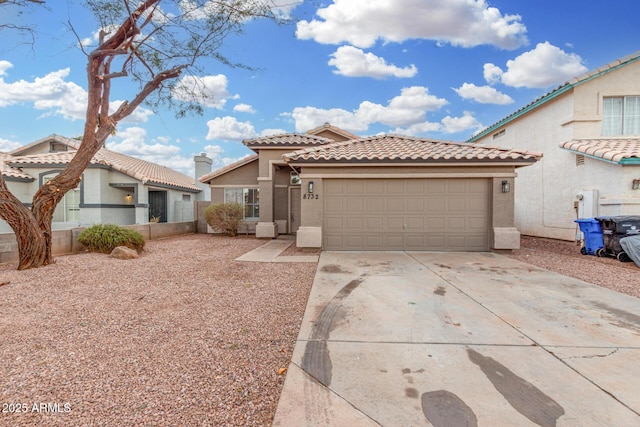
(228, 168)
(8, 171)
(287, 140)
(147, 172)
(396, 148)
(614, 150)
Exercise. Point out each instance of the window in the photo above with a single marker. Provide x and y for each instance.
(621, 115)
(249, 198)
(186, 197)
(68, 210)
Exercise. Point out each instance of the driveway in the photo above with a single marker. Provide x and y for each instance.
(460, 339)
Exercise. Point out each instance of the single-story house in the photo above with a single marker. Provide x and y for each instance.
(338, 191)
(589, 132)
(115, 188)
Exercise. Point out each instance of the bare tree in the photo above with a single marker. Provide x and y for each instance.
(152, 42)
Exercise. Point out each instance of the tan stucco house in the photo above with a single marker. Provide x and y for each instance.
(338, 191)
(589, 132)
(115, 188)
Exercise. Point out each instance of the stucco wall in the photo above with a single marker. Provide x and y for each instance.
(547, 191)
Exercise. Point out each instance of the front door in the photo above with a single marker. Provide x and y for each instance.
(294, 209)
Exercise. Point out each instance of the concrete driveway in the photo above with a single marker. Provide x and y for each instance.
(460, 339)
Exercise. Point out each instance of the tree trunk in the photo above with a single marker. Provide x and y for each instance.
(32, 241)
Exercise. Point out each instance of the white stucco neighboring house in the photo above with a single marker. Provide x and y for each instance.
(589, 132)
(115, 188)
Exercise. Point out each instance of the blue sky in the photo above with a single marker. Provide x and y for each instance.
(440, 69)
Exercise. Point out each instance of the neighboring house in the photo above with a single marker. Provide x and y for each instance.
(589, 132)
(338, 191)
(115, 188)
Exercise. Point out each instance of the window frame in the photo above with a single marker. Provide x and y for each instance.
(248, 198)
(617, 120)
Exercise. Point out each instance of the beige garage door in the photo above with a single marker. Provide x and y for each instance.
(406, 214)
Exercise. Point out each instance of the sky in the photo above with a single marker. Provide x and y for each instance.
(441, 69)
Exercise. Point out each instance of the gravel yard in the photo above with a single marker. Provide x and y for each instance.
(184, 335)
(565, 258)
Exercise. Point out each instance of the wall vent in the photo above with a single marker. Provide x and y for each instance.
(579, 160)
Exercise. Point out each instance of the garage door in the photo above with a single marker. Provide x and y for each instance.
(406, 214)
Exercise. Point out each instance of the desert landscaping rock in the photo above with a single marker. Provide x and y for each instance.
(123, 252)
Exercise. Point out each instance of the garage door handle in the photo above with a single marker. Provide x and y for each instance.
(291, 216)
(404, 226)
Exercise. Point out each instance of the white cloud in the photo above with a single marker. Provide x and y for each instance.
(269, 132)
(210, 91)
(492, 73)
(50, 92)
(463, 23)
(132, 141)
(353, 62)
(406, 109)
(483, 94)
(4, 66)
(461, 124)
(7, 145)
(230, 129)
(244, 108)
(544, 66)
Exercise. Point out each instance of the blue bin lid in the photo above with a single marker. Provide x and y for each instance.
(586, 220)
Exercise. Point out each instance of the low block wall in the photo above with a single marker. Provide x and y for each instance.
(66, 241)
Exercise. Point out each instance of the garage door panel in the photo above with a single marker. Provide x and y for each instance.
(355, 223)
(375, 223)
(407, 214)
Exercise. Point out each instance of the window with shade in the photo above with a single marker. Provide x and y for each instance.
(248, 198)
(68, 210)
(621, 115)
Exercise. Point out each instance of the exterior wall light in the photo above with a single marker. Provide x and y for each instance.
(310, 187)
(505, 186)
(635, 185)
(128, 198)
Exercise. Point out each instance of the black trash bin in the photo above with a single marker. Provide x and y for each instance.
(615, 228)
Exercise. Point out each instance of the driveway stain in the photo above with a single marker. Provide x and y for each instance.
(440, 290)
(332, 268)
(623, 318)
(523, 396)
(317, 360)
(443, 409)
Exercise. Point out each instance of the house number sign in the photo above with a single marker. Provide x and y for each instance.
(310, 196)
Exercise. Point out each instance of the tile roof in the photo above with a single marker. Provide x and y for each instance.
(287, 140)
(146, 172)
(228, 168)
(621, 151)
(73, 143)
(11, 172)
(559, 91)
(405, 149)
(334, 129)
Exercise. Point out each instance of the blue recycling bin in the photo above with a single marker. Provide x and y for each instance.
(592, 231)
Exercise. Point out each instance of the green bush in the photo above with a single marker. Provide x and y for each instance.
(105, 237)
(224, 217)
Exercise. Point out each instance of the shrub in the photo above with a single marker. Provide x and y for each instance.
(224, 217)
(105, 237)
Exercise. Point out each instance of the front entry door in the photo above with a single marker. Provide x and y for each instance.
(294, 209)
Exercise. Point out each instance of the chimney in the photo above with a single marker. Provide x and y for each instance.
(203, 167)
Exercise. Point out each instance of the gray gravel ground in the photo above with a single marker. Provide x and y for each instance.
(182, 336)
(565, 258)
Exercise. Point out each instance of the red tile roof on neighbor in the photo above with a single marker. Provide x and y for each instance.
(228, 168)
(11, 172)
(287, 140)
(405, 149)
(146, 172)
(334, 129)
(621, 151)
